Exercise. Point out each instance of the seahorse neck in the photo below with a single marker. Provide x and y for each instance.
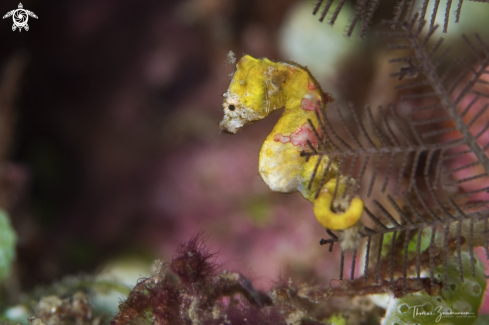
(296, 85)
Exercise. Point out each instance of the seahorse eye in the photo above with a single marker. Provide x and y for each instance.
(231, 107)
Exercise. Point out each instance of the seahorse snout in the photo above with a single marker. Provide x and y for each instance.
(230, 125)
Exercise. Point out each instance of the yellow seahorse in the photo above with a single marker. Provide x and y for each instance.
(261, 86)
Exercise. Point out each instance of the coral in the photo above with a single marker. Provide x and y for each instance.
(54, 310)
(190, 290)
(75, 309)
(79, 300)
(193, 263)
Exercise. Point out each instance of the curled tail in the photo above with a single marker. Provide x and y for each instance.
(340, 214)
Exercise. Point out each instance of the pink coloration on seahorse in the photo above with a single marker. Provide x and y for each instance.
(299, 137)
(310, 85)
(309, 105)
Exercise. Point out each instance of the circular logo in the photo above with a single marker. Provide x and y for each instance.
(20, 18)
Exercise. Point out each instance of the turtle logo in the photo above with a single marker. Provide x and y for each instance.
(20, 17)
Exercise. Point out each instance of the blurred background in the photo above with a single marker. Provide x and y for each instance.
(110, 145)
(110, 148)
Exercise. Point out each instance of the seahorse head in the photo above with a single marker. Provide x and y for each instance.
(246, 98)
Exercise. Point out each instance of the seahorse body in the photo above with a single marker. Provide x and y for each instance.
(259, 87)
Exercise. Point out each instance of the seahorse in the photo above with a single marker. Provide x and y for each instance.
(260, 87)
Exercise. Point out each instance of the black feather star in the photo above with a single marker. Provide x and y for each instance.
(423, 174)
